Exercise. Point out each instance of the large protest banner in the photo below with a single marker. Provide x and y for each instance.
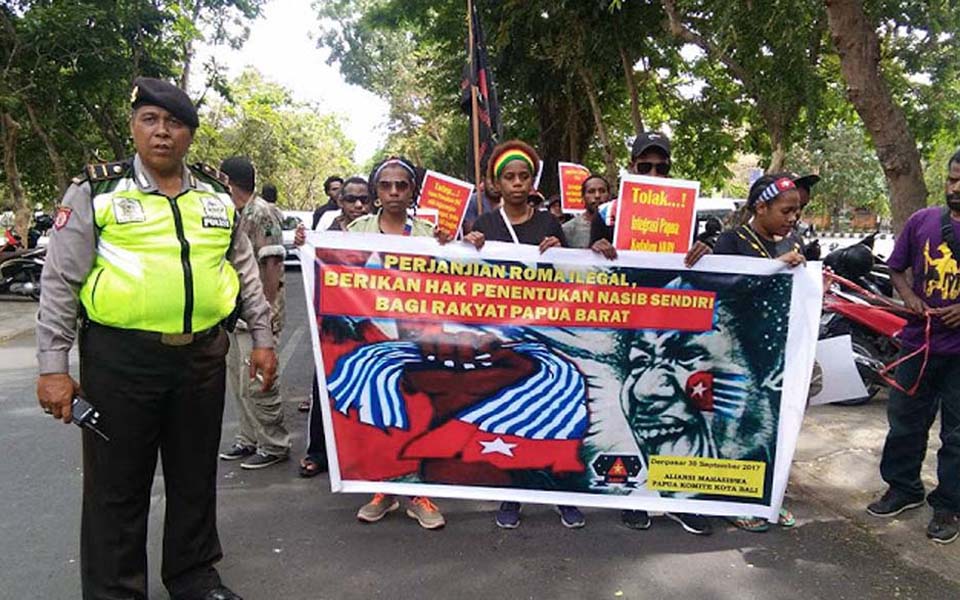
(655, 214)
(560, 378)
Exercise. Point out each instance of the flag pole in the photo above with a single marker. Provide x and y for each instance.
(474, 108)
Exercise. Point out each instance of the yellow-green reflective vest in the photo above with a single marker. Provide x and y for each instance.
(161, 263)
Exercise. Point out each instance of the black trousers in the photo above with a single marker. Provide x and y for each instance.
(910, 420)
(152, 398)
(316, 444)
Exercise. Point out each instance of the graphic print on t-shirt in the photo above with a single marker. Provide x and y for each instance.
(941, 274)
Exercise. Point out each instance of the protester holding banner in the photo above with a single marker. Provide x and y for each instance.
(354, 202)
(595, 191)
(774, 202)
(512, 168)
(650, 156)
(395, 183)
(928, 372)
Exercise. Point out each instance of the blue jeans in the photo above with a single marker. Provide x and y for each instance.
(910, 419)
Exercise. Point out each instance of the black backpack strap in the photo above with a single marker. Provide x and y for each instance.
(946, 232)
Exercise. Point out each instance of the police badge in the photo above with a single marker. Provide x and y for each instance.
(128, 210)
(214, 213)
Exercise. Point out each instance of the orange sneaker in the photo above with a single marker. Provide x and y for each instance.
(379, 507)
(426, 513)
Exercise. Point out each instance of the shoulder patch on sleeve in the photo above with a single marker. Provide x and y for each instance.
(62, 217)
(106, 171)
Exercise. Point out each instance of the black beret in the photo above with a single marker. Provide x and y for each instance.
(241, 172)
(157, 92)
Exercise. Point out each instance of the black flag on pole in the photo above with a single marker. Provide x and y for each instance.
(477, 73)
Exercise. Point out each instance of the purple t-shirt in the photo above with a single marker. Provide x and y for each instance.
(936, 277)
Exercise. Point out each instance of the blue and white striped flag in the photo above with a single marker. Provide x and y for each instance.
(549, 404)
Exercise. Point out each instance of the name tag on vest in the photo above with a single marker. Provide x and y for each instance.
(128, 210)
(215, 214)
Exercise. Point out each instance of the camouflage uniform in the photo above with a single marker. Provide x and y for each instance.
(260, 413)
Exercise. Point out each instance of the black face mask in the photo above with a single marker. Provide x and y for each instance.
(953, 202)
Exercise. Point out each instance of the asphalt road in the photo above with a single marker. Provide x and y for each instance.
(286, 537)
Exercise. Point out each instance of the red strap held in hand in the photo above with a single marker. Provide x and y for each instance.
(892, 306)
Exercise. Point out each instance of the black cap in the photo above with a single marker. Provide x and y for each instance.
(650, 139)
(241, 172)
(157, 92)
(805, 181)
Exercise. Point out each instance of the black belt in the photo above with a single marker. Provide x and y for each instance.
(167, 339)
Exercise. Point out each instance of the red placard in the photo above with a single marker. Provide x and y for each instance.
(572, 177)
(448, 196)
(655, 214)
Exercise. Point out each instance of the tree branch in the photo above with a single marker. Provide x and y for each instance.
(676, 27)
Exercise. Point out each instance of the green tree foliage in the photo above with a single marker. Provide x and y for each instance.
(65, 73)
(850, 174)
(292, 145)
(764, 80)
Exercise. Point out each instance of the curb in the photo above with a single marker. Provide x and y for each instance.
(6, 336)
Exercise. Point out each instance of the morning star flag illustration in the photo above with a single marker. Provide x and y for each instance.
(560, 378)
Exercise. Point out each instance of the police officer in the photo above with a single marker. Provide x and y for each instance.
(141, 252)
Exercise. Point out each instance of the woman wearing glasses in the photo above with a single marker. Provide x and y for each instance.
(394, 181)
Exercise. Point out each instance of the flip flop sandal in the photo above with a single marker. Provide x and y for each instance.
(304, 405)
(310, 467)
(751, 524)
(786, 518)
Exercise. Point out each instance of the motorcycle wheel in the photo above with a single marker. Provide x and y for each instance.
(34, 278)
(863, 346)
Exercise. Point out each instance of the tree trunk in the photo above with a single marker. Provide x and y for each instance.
(189, 49)
(608, 157)
(107, 128)
(631, 81)
(778, 150)
(10, 129)
(56, 161)
(573, 132)
(859, 48)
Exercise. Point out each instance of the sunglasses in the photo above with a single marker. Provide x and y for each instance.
(355, 199)
(645, 167)
(400, 186)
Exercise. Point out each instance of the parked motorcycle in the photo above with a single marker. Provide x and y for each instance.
(857, 302)
(20, 272)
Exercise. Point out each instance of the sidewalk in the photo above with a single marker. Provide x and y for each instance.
(17, 316)
(837, 464)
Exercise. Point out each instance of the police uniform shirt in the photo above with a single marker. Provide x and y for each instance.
(71, 254)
